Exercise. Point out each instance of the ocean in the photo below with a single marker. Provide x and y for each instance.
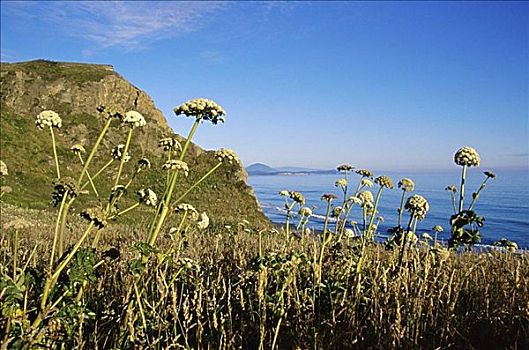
(504, 202)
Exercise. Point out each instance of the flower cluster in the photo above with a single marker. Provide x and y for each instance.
(305, 211)
(48, 119)
(3, 169)
(143, 163)
(133, 119)
(355, 200)
(96, 216)
(202, 109)
(366, 183)
(451, 188)
(365, 173)
(345, 167)
(366, 197)
(384, 181)
(284, 193)
(297, 197)
(227, 155)
(407, 184)
(203, 221)
(337, 211)
(467, 156)
(60, 187)
(178, 165)
(329, 197)
(147, 196)
(417, 206)
(489, 174)
(438, 228)
(117, 153)
(169, 144)
(341, 183)
(78, 149)
(187, 208)
(110, 111)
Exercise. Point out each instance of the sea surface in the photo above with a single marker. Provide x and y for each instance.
(504, 202)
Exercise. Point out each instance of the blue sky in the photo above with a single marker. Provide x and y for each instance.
(388, 86)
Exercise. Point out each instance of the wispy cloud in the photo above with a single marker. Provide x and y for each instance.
(127, 25)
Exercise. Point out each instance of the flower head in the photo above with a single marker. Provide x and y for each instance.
(284, 193)
(227, 155)
(78, 149)
(96, 216)
(507, 244)
(341, 183)
(48, 119)
(365, 173)
(111, 112)
(490, 174)
(438, 228)
(133, 119)
(366, 183)
(345, 168)
(188, 209)
(366, 197)
(143, 163)
(418, 206)
(117, 153)
(203, 221)
(3, 168)
(384, 181)
(349, 233)
(337, 211)
(61, 187)
(202, 109)
(407, 184)
(355, 200)
(329, 197)
(297, 197)
(305, 211)
(451, 188)
(147, 196)
(467, 156)
(169, 144)
(176, 165)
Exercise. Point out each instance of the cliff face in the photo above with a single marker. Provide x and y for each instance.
(74, 90)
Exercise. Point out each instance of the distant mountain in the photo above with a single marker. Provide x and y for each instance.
(260, 169)
(263, 169)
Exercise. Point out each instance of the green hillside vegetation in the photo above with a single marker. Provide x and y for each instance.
(27, 150)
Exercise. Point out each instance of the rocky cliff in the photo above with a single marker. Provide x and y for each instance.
(74, 90)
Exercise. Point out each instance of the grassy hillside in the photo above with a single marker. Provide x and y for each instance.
(73, 90)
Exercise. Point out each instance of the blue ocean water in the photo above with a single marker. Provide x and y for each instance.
(504, 202)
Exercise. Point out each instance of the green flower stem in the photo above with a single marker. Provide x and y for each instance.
(57, 226)
(123, 156)
(325, 241)
(476, 196)
(163, 214)
(374, 211)
(135, 205)
(177, 234)
(358, 187)
(211, 171)
(88, 175)
(63, 225)
(462, 190)
(364, 219)
(55, 153)
(50, 281)
(453, 201)
(401, 208)
(189, 137)
(94, 149)
(405, 239)
(98, 173)
(342, 229)
(287, 224)
(163, 207)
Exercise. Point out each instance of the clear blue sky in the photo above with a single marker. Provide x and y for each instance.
(380, 85)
